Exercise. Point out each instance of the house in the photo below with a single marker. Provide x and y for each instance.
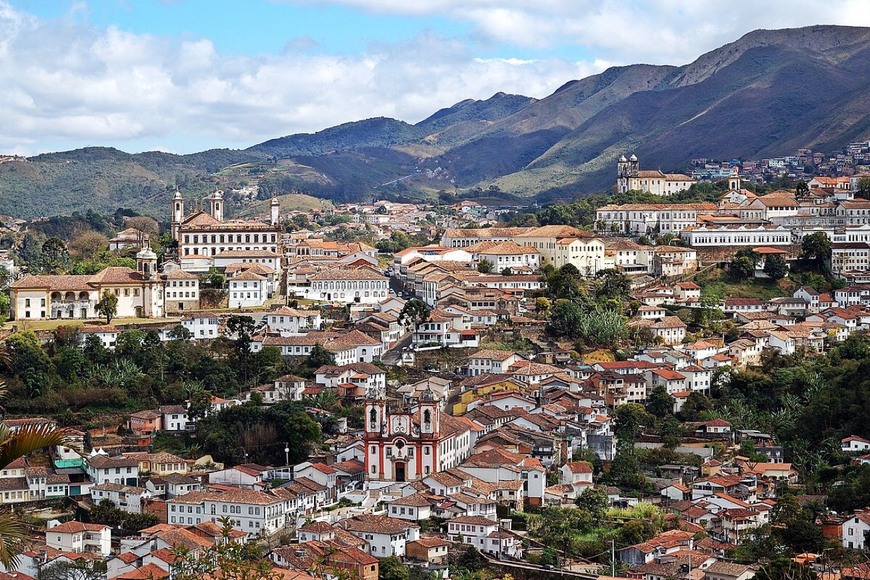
(174, 418)
(145, 422)
(78, 537)
(333, 557)
(854, 444)
(855, 530)
(363, 285)
(292, 320)
(253, 512)
(575, 472)
(247, 475)
(119, 469)
(414, 507)
(656, 547)
(386, 536)
(247, 289)
(490, 361)
(714, 427)
(722, 570)
(124, 497)
(431, 549)
(484, 534)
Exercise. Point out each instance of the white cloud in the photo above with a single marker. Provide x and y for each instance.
(626, 31)
(67, 85)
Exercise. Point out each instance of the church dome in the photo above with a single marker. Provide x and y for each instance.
(622, 159)
(633, 157)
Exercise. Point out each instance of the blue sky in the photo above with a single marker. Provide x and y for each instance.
(187, 75)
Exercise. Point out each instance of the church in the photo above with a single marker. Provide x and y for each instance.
(630, 177)
(413, 442)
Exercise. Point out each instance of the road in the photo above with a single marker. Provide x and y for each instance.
(392, 356)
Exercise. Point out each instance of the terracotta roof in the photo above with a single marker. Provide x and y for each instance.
(75, 527)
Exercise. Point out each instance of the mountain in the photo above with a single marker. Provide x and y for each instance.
(766, 94)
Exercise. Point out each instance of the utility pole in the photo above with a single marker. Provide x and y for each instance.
(613, 557)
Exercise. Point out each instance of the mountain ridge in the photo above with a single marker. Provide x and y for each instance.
(764, 94)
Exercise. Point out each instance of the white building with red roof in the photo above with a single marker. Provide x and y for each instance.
(79, 537)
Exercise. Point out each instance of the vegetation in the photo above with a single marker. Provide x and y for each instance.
(13, 445)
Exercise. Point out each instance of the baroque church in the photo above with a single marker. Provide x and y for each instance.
(413, 442)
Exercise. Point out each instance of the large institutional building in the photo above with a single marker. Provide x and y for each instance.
(208, 235)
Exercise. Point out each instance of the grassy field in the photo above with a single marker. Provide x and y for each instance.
(290, 202)
(717, 283)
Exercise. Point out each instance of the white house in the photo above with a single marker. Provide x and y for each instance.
(247, 289)
(288, 320)
(201, 326)
(252, 512)
(386, 536)
(348, 286)
(854, 444)
(854, 530)
(78, 537)
(119, 469)
(484, 534)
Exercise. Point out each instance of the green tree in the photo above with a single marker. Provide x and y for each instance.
(414, 312)
(631, 419)
(660, 403)
(795, 525)
(782, 568)
(863, 187)
(75, 570)
(242, 327)
(816, 249)
(319, 356)
(54, 256)
(301, 433)
(484, 266)
(392, 568)
(775, 267)
(611, 283)
(742, 267)
(28, 361)
(695, 404)
(108, 305)
(594, 500)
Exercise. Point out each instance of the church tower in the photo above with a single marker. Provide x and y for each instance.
(430, 416)
(375, 420)
(626, 169)
(276, 210)
(177, 213)
(734, 180)
(216, 205)
(146, 262)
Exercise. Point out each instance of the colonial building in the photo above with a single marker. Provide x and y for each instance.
(140, 292)
(630, 177)
(412, 443)
(207, 234)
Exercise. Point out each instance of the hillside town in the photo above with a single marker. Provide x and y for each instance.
(430, 388)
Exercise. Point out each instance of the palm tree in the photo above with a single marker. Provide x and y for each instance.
(15, 444)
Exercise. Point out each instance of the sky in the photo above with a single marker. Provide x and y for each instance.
(188, 75)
